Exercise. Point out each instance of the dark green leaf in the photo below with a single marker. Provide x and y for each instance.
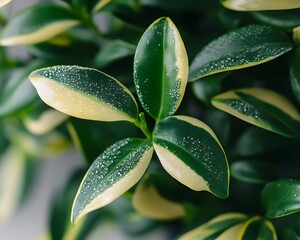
(191, 153)
(261, 107)
(244, 47)
(281, 19)
(291, 235)
(85, 93)
(114, 172)
(281, 198)
(37, 24)
(252, 171)
(295, 74)
(160, 69)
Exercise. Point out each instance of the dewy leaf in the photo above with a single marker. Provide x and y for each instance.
(295, 74)
(114, 172)
(255, 5)
(216, 227)
(37, 24)
(84, 93)
(4, 2)
(149, 202)
(261, 107)
(244, 47)
(161, 69)
(191, 153)
(281, 197)
(257, 228)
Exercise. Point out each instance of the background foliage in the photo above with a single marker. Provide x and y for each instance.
(243, 83)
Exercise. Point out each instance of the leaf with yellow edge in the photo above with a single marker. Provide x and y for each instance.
(85, 93)
(191, 153)
(227, 224)
(257, 228)
(244, 47)
(37, 24)
(148, 202)
(4, 2)
(256, 5)
(114, 172)
(261, 107)
(296, 35)
(160, 69)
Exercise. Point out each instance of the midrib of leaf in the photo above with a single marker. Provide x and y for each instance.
(163, 74)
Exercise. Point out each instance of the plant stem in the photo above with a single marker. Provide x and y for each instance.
(142, 124)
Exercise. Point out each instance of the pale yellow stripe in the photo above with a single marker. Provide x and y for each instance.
(180, 171)
(296, 35)
(4, 2)
(118, 188)
(63, 99)
(148, 202)
(101, 4)
(231, 233)
(40, 35)
(255, 5)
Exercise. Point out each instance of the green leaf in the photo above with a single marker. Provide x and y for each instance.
(17, 93)
(281, 19)
(281, 197)
(290, 235)
(37, 24)
(148, 202)
(84, 93)
(244, 47)
(261, 107)
(257, 228)
(256, 141)
(252, 171)
(160, 69)
(4, 2)
(113, 51)
(191, 153)
(255, 5)
(216, 227)
(114, 172)
(295, 74)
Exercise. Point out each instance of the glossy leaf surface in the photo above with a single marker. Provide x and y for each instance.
(261, 107)
(281, 198)
(84, 93)
(114, 172)
(244, 47)
(257, 228)
(216, 227)
(251, 171)
(150, 203)
(281, 19)
(160, 69)
(255, 5)
(191, 153)
(295, 74)
(37, 24)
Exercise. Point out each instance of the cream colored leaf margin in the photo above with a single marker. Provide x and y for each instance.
(40, 35)
(4, 2)
(117, 189)
(58, 96)
(257, 5)
(204, 231)
(148, 202)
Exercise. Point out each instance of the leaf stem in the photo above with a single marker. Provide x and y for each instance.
(142, 124)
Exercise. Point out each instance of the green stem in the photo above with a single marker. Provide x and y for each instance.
(142, 124)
